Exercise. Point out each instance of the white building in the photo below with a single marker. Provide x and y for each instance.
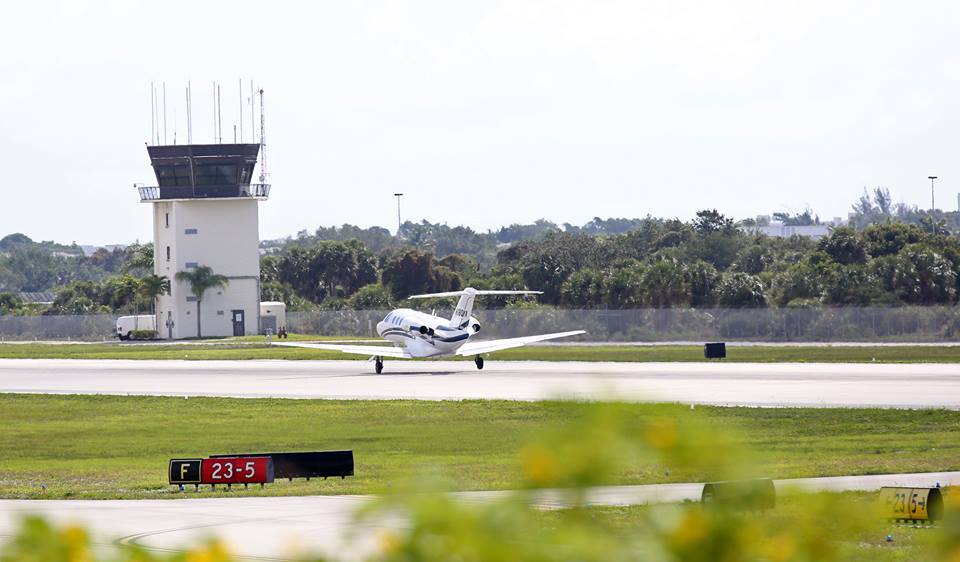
(205, 213)
(777, 229)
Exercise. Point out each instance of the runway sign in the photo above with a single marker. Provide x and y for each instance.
(237, 470)
(185, 471)
(317, 464)
(716, 350)
(229, 470)
(912, 504)
(741, 495)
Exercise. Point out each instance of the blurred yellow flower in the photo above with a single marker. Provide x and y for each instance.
(212, 552)
(389, 542)
(539, 465)
(780, 548)
(693, 527)
(77, 543)
(662, 434)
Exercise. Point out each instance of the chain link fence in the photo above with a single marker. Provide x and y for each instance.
(872, 324)
(912, 324)
(90, 327)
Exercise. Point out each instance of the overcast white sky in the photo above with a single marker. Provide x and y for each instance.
(484, 113)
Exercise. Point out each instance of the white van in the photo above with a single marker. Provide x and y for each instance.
(126, 325)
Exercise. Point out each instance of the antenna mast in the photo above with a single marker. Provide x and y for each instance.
(219, 117)
(156, 107)
(164, 113)
(152, 116)
(240, 83)
(263, 142)
(189, 116)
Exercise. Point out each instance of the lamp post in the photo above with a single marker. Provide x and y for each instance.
(932, 206)
(933, 226)
(398, 196)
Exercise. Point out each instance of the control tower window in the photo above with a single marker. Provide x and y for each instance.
(173, 175)
(216, 174)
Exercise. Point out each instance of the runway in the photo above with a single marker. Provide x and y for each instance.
(292, 527)
(744, 384)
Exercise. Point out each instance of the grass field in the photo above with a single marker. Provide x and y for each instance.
(118, 447)
(253, 349)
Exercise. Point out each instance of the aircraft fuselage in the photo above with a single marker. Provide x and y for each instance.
(425, 335)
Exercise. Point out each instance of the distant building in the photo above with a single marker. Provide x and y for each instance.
(37, 298)
(205, 212)
(89, 249)
(776, 229)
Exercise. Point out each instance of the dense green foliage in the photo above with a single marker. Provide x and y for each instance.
(659, 263)
(889, 255)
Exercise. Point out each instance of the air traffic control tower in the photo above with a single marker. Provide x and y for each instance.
(205, 213)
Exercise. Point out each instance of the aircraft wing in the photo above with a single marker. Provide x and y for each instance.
(368, 350)
(477, 347)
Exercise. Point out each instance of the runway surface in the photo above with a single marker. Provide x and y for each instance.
(291, 527)
(748, 384)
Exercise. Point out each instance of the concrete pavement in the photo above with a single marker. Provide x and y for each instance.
(746, 384)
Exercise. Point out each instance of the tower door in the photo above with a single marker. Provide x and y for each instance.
(238, 324)
(169, 325)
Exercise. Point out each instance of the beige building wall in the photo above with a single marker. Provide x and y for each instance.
(222, 234)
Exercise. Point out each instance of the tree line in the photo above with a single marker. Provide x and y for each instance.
(709, 261)
(705, 262)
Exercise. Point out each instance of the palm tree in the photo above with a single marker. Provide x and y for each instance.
(201, 278)
(152, 286)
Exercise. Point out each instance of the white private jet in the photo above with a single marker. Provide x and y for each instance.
(416, 334)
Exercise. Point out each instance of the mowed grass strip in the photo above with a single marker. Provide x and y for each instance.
(118, 447)
(638, 353)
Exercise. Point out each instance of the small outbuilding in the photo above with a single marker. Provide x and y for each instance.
(273, 317)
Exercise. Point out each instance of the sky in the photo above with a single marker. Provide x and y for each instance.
(483, 113)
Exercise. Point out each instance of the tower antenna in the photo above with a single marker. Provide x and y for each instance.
(156, 111)
(253, 126)
(263, 141)
(240, 83)
(152, 118)
(219, 117)
(164, 113)
(189, 115)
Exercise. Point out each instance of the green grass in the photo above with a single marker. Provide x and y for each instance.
(118, 447)
(256, 349)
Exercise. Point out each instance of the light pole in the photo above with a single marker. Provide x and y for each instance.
(933, 226)
(398, 196)
(932, 206)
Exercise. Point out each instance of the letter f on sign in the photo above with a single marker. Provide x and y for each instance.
(183, 470)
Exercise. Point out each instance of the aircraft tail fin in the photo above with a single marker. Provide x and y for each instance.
(461, 315)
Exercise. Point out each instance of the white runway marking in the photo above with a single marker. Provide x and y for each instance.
(748, 384)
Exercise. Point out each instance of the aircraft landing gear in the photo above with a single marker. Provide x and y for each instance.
(378, 366)
(479, 361)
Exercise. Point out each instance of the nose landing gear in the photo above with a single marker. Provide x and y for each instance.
(479, 361)
(378, 365)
